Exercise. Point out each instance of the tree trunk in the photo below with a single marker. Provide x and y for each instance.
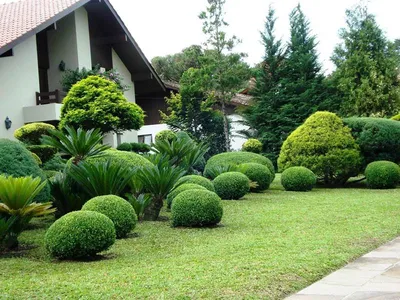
(226, 128)
(152, 211)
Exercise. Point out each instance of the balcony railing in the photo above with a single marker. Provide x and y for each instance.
(51, 97)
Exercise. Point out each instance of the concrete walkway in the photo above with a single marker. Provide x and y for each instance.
(376, 276)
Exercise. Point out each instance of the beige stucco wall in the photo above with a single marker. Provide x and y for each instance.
(70, 43)
(19, 81)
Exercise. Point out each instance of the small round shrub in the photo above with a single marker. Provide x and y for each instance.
(124, 158)
(117, 209)
(182, 135)
(44, 152)
(181, 188)
(382, 175)
(257, 173)
(166, 135)
(196, 209)
(31, 134)
(125, 147)
(298, 179)
(252, 145)
(232, 185)
(197, 179)
(80, 234)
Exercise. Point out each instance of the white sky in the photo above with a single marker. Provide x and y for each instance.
(162, 27)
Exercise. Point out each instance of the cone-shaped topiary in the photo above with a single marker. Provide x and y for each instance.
(298, 179)
(196, 209)
(382, 175)
(181, 188)
(325, 146)
(232, 185)
(257, 173)
(80, 234)
(197, 179)
(117, 209)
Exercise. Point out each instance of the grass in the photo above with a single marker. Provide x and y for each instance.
(268, 246)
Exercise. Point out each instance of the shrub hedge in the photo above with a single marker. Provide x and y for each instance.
(181, 188)
(252, 145)
(196, 209)
(298, 179)
(31, 134)
(80, 234)
(197, 179)
(125, 147)
(232, 185)
(140, 148)
(257, 173)
(382, 175)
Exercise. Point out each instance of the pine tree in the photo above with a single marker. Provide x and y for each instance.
(367, 67)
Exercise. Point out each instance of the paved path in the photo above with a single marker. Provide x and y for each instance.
(375, 276)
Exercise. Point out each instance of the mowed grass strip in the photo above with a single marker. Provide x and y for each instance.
(268, 246)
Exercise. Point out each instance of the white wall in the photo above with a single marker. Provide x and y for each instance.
(83, 38)
(152, 129)
(19, 81)
(236, 142)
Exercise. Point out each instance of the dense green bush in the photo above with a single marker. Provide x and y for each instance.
(382, 175)
(298, 179)
(232, 185)
(117, 209)
(252, 145)
(181, 188)
(379, 139)
(80, 234)
(257, 173)
(140, 148)
(235, 159)
(57, 163)
(44, 152)
(196, 209)
(17, 161)
(197, 179)
(325, 146)
(123, 158)
(166, 135)
(31, 134)
(125, 147)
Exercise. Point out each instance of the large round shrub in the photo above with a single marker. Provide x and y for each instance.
(298, 179)
(165, 135)
(117, 209)
(325, 146)
(80, 234)
(124, 158)
(197, 179)
(232, 185)
(196, 208)
(252, 145)
(17, 161)
(378, 138)
(237, 158)
(182, 188)
(257, 173)
(382, 175)
(31, 134)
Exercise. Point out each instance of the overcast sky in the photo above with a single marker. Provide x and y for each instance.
(164, 27)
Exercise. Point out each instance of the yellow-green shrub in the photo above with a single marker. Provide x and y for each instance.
(252, 145)
(31, 134)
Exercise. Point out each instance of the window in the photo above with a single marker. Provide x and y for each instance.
(146, 139)
(7, 53)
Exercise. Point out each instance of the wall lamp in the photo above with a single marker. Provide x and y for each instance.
(8, 123)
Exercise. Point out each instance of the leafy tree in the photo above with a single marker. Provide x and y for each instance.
(96, 102)
(367, 67)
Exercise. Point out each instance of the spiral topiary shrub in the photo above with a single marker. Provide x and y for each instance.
(181, 188)
(31, 134)
(252, 145)
(117, 209)
(80, 234)
(196, 209)
(382, 175)
(298, 179)
(325, 146)
(232, 185)
(166, 135)
(257, 173)
(227, 159)
(197, 179)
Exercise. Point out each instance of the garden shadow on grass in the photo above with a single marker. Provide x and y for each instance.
(19, 252)
(95, 258)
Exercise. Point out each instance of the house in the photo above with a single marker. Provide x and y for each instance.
(40, 38)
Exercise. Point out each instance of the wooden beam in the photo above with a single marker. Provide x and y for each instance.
(111, 40)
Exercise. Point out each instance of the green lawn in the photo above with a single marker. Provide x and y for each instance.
(268, 246)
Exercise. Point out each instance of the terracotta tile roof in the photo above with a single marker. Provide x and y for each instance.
(20, 17)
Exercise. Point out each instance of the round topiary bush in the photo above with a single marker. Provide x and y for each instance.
(196, 209)
(125, 147)
(232, 185)
(197, 179)
(166, 135)
(80, 234)
(382, 175)
(257, 173)
(252, 145)
(181, 188)
(237, 158)
(17, 161)
(124, 158)
(298, 179)
(117, 209)
(325, 146)
(31, 134)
